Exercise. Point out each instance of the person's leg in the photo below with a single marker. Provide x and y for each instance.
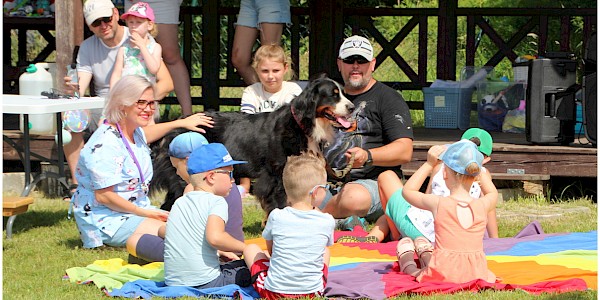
(147, 226)
(252, 253)
(424, 250)
(353, 199)
(389, 183)
(169, 41)
(405, 251)
(270, 33)
(72, 150)
(241, 54)
(381, 229)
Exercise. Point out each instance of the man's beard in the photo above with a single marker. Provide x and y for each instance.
(358, 84)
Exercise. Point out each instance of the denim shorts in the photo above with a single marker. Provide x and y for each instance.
(375, 211)
(254, 12)
(124, 232)
(165, 12)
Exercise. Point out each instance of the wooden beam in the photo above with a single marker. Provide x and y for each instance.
(327, 32)
(69, 33)
(446, 50)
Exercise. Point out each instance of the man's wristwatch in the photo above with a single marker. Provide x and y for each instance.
(369, 161)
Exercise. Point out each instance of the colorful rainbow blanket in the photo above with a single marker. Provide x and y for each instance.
(531, 261)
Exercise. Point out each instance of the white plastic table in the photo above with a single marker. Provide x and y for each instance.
(27, 105)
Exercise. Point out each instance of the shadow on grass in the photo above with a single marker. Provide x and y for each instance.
(32, 219)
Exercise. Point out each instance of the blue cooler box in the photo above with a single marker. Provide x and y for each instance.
(447, 107)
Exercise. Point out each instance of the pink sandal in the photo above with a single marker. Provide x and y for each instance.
(405, 245)
(422, 245)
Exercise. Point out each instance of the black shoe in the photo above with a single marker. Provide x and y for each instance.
(136, 260)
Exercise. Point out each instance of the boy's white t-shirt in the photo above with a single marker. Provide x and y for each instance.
(256, 100)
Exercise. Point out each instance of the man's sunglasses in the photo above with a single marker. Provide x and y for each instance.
(98, 22)
(355, 59)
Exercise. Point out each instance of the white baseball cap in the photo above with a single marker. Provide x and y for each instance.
(356, 45)
(96, 9)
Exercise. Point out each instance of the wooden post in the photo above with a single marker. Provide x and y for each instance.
(446, 50)
(69, 33)
(327, 31)
(210, 54)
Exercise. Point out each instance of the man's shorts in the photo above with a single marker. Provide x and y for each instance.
(259, 272)
(165, 12)
(254, 12)
(375, 211)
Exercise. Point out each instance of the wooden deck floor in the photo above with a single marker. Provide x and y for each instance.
(515, 158)
(512, 157)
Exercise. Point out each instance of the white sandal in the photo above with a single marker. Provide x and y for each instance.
(405, 245)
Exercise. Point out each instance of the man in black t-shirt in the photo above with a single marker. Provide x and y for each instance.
(383, 139)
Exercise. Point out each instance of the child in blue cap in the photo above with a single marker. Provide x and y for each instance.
(460, 220)
(180, 149)
(195, 230)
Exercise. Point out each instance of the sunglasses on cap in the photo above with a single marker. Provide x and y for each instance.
(98, 21)
(355, 59)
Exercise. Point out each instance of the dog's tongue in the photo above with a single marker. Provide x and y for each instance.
(343, 122)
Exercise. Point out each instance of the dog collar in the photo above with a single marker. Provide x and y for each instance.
(297, 120)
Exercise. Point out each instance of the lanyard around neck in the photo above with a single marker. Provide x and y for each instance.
(137, 163)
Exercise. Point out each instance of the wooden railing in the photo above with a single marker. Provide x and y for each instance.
(216, 43)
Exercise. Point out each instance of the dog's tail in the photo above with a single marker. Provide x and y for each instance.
(165, 175)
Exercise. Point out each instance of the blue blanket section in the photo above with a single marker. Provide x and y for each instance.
(553, 244)
(146, 289)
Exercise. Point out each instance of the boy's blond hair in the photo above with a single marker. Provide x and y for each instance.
(302, 172)
(196, 179)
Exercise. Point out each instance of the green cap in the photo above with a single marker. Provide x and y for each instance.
(485, 139)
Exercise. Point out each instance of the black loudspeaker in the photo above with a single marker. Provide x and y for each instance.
(590, 91)
(550, 101)
(590, 112)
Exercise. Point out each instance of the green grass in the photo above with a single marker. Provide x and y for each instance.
(45, 244)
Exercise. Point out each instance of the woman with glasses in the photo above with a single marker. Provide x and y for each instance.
(111, 204)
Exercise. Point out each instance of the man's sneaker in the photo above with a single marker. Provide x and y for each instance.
(351, 222)
(357, 239)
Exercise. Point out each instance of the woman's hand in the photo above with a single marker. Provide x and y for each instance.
(160, 215)
(194, 121)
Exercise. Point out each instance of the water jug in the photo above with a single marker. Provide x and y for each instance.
(34, 81)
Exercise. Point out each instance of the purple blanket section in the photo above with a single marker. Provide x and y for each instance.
(532, 232)
(339, 283)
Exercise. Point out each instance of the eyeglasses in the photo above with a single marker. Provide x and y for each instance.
(225, 172)
(314, 189)
(105, 20)
(355, 59)
(142, 104)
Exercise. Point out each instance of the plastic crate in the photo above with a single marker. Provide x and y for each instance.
(447, 107)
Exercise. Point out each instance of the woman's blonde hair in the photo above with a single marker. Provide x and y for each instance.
(124, 93)
(275, 53)
(302, 172)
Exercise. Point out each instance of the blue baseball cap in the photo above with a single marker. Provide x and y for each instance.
(209, 157)
(458, 156)
(184, 144)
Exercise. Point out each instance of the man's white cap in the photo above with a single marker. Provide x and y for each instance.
(356, 45)
(96, 9)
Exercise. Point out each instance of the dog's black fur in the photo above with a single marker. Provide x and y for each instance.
(265, 140)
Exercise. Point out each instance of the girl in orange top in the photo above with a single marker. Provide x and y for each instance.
(460, 221)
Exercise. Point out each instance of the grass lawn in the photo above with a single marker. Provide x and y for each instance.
(45, 244)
